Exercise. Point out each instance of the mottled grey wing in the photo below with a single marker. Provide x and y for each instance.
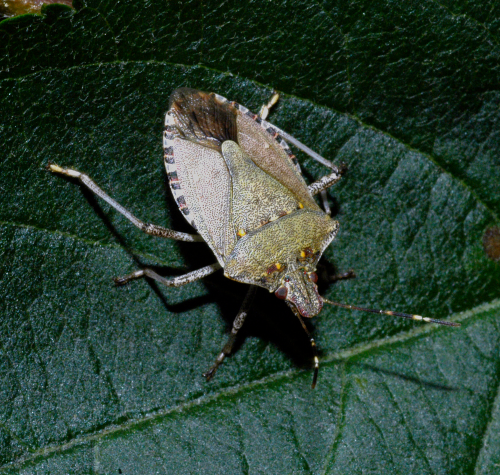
(195, 127)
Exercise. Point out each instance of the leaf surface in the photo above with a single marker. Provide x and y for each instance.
(99, 379)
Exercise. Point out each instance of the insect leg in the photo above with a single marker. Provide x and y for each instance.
(152, 229)
(306, 149)
(264, 110)
(350, 274)
(237, 324)
(326, 181)
(336, 171)
(175, 282)
(324, 200)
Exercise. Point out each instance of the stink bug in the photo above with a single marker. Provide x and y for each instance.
(239, 185)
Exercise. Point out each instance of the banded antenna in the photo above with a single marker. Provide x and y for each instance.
(408, 316)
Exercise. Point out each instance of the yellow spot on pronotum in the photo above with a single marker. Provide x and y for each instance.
(278, 266)
(302, 254)
(301, 206)
(241, 233)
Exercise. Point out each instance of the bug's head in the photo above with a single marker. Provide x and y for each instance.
(298, 288)
(282, 257)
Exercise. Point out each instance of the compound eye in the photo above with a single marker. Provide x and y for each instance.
(313, 277)
(281, 293)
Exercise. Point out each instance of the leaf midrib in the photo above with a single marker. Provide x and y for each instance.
(334, 358)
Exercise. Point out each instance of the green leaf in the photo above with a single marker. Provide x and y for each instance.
(100, 379)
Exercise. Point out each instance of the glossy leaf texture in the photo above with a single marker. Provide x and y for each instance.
(98, 379)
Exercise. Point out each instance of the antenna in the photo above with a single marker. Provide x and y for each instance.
(313, 344)
(408, 316)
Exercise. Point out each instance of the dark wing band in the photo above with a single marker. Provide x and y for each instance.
(202, 119)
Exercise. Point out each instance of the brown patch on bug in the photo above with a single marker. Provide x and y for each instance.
(202, 119)
(306, 254)
(275, 268)
(491, 243)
